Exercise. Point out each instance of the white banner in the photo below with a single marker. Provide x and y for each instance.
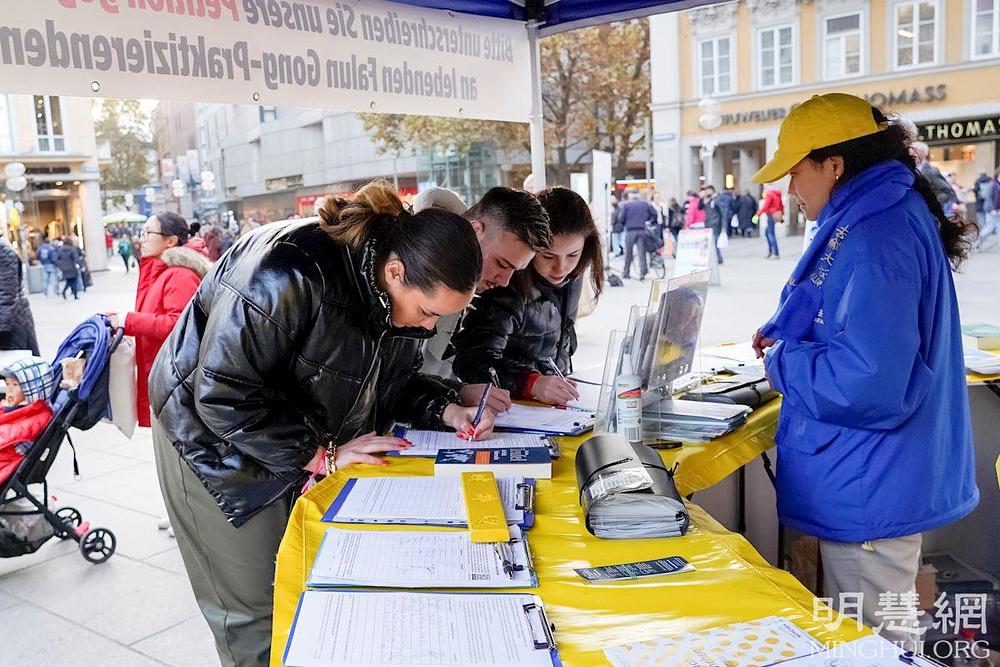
(356, 55)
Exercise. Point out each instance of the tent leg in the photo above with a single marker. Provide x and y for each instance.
(537, 128)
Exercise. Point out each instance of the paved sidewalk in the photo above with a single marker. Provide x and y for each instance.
(137, 609)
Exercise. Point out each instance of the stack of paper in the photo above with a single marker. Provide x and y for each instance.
(423, 501)
(751, 644)
(409, 628)
(982, 362)
(982, 336)
(692, 421)
(420, 559)
(637, 516)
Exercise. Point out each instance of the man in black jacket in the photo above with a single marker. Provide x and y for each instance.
(942, 188)
(716, 213)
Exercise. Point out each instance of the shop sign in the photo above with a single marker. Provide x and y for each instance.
(885, 100)
(966, 129)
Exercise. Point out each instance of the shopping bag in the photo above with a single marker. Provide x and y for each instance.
(723, 241)
(122, 388)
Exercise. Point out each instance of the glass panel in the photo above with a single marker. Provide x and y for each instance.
(767, 39)
(852, 65)
(767, 77)
(60, 144)
(904, 54)
(707, 86)
(926, 33)
(904, 16)
(706, 50)
(768, 60)
(786, 74)
(984, 45)
(723, 66)
(926, 11)
(843, 23)
(984, 5)
(725, 85)
(55, 116)
(926, 53)
(43, 144)
(785, 36)
(723, 47)
(41, 120)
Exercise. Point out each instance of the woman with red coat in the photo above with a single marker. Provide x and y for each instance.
(770, 213)
(169, 275)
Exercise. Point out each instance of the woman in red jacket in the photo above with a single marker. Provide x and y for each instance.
(771, 211)
(169, 275)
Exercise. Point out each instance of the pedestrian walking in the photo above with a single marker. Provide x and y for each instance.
(988, 190)
(68, 260)
(939, 184)
(635, 215)
(17, 326)
(694, 214)
(47, 254)
(125, 252)
(675, 221)
(715, 216)
(866, 349)
(769, 215)
(746, 210)
(109, 243)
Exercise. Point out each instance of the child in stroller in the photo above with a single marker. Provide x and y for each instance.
(31, 435)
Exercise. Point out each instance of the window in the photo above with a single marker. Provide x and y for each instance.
(715, 66)
(916, 34)
(48, 124)
(775, 66)
(985, 28)
(842, 46)
(268, 113)
(6, 127)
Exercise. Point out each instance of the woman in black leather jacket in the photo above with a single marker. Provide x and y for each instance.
(516, 329)
(298, 348)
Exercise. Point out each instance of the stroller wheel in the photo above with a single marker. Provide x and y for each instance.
(72, 517)
(98, 545)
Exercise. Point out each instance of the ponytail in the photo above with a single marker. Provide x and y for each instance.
(435, 246)
(353, 220)
(893, 143)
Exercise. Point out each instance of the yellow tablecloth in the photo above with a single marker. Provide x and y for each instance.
(732, 582)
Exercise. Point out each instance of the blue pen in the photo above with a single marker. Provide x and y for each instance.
(482, 405)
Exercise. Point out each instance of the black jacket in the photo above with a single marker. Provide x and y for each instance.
(285, 346)
(17, 326)
(68, 258)
(514, 331)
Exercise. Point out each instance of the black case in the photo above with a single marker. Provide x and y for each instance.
(752, 393)
(610, 452)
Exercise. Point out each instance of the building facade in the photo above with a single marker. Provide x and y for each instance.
(53, 137)
(934, 62)
(175, 130)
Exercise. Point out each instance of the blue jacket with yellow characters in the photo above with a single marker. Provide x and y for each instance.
(874, 439)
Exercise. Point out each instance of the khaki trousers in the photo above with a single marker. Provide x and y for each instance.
(871, 569)
(231, 569)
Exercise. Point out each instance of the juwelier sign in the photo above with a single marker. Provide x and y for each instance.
(984, 128)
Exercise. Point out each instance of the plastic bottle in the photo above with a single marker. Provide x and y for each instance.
(628, 404)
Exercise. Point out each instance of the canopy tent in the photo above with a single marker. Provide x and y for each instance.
(454, 58)
(546, 18)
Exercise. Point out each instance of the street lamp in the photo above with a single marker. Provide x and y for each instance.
(710, 120)
(16, 182)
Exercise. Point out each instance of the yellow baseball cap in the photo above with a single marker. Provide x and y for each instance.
(823, 120)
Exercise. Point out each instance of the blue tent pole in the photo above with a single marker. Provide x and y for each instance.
(537, 128)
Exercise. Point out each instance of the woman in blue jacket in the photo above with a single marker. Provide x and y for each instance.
(874, 439)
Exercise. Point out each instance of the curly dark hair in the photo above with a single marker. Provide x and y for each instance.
(893, 143)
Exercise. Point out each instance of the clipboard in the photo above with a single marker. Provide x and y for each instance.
(561, 420)
(541, 630)
(513, 557)
(544, 440)
(524, 502)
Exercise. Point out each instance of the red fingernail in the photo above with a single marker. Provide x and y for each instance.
(470, 431)
(407, 442)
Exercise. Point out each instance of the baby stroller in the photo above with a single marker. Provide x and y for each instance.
(27, 522)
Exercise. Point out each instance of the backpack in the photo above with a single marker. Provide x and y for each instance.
(47, 254)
